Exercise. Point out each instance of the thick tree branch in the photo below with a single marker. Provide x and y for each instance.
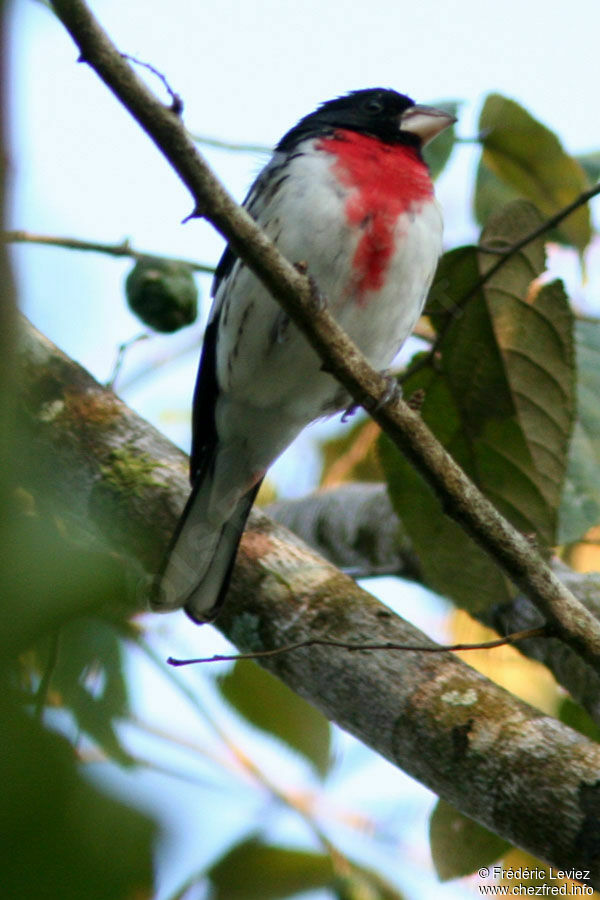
(519, 772)
(335, 522)
(571, 621)
(354, 526)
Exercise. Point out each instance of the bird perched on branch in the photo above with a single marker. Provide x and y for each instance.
(347, 193)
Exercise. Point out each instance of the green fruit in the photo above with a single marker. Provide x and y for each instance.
(162, 293)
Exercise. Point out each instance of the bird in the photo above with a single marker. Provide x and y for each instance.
(347, 195)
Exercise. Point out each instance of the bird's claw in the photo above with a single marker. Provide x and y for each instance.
(349, 412)
(392, 391)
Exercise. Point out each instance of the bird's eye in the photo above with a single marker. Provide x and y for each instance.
(374, 104)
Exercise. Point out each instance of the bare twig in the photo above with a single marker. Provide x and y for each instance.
(544, 228)
(176, 101)
(230, 145)
(69, 243)
(542, 631)
(121, 352)
(504, 254)
(294, 292)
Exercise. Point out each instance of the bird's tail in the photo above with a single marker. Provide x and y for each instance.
(200, 559)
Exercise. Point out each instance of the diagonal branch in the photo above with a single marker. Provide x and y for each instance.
(292, 290)
(507, 252)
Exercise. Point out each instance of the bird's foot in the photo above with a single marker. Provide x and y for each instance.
(392, 391)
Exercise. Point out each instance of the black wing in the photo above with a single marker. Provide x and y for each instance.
(206, 392)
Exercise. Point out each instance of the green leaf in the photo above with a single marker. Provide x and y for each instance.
(528, 158)
(437, 153)
(90, 681)
(499, 396)
(60, 837)
(255, 871)
(590, 163)
(460, 846)
(580, 507)
(456, 276)
(576, 717)
(361, 883)
(491, 193)
(54, 576)
(270, 705)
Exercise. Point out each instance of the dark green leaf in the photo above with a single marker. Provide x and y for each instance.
(528, 158)
(90, 681)
(580, 508)
(491, 193)
(270, 705)
(365, 884)
(590, 163)
(55, 578)
(60, 837)
(576, 717)
(499, 396)
(460, 846)
(255, 871)
(456, 276)
(437, 153)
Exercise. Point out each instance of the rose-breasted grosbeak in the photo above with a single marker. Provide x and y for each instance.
(346, 192)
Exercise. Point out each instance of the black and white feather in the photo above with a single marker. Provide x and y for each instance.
(259, 382)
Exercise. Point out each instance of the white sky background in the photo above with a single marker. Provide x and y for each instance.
(246, 72)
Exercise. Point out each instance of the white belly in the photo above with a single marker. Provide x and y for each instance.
(270, 378)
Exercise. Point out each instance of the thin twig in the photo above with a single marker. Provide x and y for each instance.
(176, 101)
(541, 631)
(122, 249)
(515, 248)
(121, 352)
(546, 226)
(229, 145)
(171, 352)
(504, 253)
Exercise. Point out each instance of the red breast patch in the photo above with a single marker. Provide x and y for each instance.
(388, 180)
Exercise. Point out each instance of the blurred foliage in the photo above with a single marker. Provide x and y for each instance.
(351, 455)
(55, 658)
(580, 506)
(523, 158)
(270, 705)
(459, 845)
(253, 870)
(62, 838)
(437, 153)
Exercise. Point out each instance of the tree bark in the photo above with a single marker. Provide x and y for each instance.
(333, 523)
(520, 773)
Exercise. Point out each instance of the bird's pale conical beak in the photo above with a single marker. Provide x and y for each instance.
(425, 121)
